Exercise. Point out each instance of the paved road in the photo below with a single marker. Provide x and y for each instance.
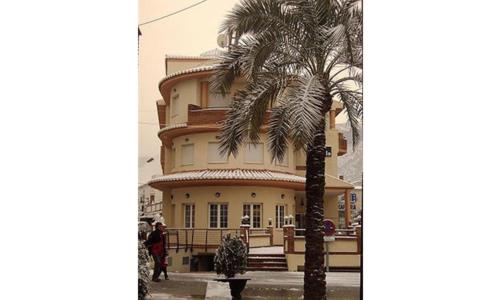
(333, 279)
(263, 285)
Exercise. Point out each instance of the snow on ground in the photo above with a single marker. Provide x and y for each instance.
(161, 296)
(267, 250)
(218, 291)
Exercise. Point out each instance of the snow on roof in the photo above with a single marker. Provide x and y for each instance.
(206, 57)
(229, 174)
(188, 71)
(172, 126)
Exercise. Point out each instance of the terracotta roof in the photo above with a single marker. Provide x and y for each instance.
(229, 174)
(188, 71)
(207, 57)
(172, 126)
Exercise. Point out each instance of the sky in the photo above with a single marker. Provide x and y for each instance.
(190, 32)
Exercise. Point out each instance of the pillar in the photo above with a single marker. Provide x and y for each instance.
(289, 238)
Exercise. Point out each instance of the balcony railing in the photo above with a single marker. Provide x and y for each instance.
(200, 238)
(199, 116)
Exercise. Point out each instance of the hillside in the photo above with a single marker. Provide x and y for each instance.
(350, 165)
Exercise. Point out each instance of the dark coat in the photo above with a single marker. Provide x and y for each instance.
(156, 243)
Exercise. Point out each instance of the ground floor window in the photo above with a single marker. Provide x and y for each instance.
(217, 215)
(254, 212)
(189, 215)
(280, 216)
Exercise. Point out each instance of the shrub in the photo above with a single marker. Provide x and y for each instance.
(143, 271)
(231, 257)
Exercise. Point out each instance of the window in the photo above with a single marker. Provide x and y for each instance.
(213, 153)
(284, 162)
(189, 215)
(187, 153)
(185, 260)
(280, 216)
(218, 100)
(254, 153)
(254, 212)
(341, 202)
(152, 198)
(175, 105)
(217, 215)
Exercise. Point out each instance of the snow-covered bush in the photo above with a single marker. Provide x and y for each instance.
(143, 271)
(231, 257)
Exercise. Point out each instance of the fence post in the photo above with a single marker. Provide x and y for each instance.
(245, 233)
(358, 238)
(289, 235)
(271, 233)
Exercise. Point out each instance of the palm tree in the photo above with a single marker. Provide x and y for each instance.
(296, 56)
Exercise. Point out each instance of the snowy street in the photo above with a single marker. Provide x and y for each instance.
(263, 285)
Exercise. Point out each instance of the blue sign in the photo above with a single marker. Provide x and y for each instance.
(353, 198)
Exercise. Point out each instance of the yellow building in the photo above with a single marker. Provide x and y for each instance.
(205, 194)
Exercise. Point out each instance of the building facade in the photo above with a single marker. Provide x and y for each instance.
(150, 201)
(206, 192)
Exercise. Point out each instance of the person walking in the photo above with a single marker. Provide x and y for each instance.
(164, 263)
(156, 246)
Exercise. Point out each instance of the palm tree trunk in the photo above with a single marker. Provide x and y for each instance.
(314, 272)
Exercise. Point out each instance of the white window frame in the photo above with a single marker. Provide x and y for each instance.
(215, 161)
(192, 211)
(247, 149)
(278, 215)
(252, 204)
(219, 205)
(182, 155)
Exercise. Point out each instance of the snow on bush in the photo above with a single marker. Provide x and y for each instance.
(231, 257)
(143, 271)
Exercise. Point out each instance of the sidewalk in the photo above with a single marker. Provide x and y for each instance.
(263, 285)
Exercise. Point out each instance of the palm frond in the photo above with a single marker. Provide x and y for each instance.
(306, 109)
(279, 129)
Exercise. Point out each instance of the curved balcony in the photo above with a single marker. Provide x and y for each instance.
(199, 120)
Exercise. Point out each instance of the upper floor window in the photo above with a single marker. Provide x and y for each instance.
(152, 199)
(284, 162)
(254, 153)
(174, 104)
(218, 100)
(187, 154)
(214, 155)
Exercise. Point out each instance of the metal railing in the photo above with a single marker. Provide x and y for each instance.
(200, 238)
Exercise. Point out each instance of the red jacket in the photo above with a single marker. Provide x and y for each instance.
(156, 243)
